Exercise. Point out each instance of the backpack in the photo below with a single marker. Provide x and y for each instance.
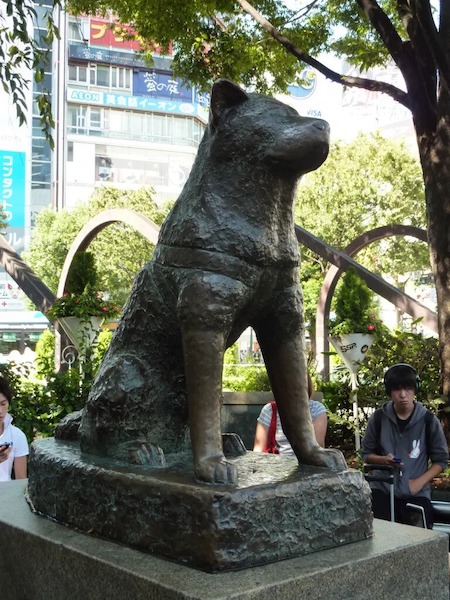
(377, 416)
(271, 444)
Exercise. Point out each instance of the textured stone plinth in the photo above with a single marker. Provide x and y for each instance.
(278, 510)
(47, 561)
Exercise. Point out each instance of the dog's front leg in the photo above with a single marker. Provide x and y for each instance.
(203, 356)
(281, 337)
(206, 308)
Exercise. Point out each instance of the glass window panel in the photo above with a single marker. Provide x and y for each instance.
(40, 149)
(82, 74)
(39, 37)
(74, 31)
(103, 76)
(41, 171)
(115, 120)
(44, 85)
(137, 122)
(71, 115)
(69, 151)
(73, 72)
(42, 13)
(95, 118)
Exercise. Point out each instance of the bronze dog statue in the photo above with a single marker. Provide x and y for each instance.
(227, 257)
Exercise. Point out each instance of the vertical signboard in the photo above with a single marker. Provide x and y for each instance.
(12, 194)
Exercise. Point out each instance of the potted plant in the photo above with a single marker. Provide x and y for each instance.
(82, 309)
(352, 329)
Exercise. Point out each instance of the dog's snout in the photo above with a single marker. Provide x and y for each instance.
(321, 125)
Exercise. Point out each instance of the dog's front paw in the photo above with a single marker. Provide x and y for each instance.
(326, 457)
(216, 469)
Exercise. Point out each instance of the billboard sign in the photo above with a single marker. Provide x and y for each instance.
(160, 85)
(113, 35)
(146, 103)
(12, 187)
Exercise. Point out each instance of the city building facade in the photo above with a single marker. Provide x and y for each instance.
(118, 122)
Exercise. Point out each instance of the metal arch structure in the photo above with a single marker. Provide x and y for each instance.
(143, 225)
(377, 284)
(41, 296)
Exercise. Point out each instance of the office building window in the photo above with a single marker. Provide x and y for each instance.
(142, 126)
(113, 78)
(95, 118)
(78, 30)
(78, 73)
(76, 119)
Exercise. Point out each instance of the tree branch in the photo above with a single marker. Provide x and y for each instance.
(385, 29)
(424, 16)
(360, 82)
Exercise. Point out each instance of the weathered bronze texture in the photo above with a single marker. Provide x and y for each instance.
(278, 510)
(150, 436)
(227, 257)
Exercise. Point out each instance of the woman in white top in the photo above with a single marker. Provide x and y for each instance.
(319, 419)
(13, 443)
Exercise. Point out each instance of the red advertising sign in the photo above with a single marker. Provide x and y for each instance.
(106, 33)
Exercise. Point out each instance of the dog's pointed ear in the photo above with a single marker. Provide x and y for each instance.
(225, 94)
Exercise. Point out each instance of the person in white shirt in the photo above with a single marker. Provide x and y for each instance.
(13, 443)
(319, 419)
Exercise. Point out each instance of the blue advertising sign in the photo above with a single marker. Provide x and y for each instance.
(12, 187)
(136, 102)
(160, 85)
(85, 53)
(114, 57)
(202, 98)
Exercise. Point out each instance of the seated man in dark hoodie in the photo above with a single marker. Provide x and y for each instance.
(405, 435)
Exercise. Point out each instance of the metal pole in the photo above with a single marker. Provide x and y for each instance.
(354, 382)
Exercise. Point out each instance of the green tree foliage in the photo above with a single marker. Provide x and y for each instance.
(82, 273)
(364, 184)
(45, 354)
(354, 306)
(119, 251)
(23, 50)
(53, 234)
(39, 404)
(42, 397)
(243, 377)
(367, 183)
(3, 223)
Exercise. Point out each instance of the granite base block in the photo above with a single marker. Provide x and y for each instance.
(42, 560)
(278, 510)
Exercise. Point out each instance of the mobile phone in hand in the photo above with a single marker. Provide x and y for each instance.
(4, 445)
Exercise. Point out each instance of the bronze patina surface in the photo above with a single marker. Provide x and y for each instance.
(227, 257)
(148, 466)
(278, 510)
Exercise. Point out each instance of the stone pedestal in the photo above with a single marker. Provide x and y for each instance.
(278, 510)
(42, 560)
